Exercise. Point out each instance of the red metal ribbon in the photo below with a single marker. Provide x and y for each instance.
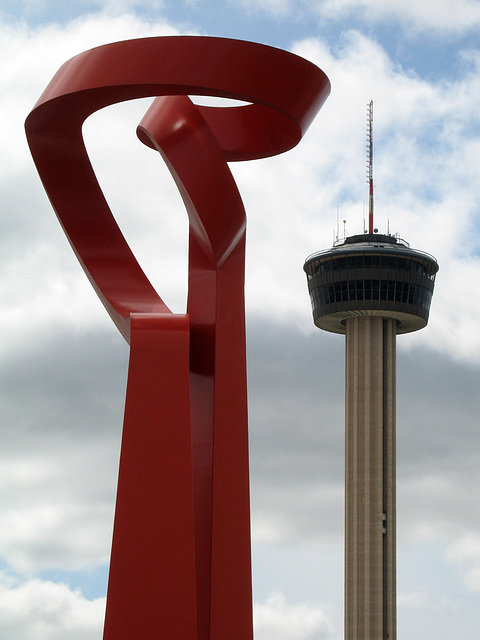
(180, 564)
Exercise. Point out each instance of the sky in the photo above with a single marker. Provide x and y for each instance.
(63, 363)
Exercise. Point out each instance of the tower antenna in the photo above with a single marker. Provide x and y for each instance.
(370, 164)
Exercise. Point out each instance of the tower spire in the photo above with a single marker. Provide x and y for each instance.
(370, 164)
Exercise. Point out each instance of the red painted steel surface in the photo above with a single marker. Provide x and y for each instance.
(180, 565)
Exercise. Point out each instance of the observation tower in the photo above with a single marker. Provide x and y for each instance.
(370, 287)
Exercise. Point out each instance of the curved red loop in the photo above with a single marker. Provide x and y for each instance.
(285, 93)
(174, 126)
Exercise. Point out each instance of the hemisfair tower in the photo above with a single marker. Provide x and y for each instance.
(370, 287)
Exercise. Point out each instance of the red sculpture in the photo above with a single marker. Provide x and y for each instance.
(180, 564)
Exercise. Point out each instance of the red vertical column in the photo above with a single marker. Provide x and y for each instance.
(202, 293)
(220, 445)
(151, 590)
(231, 607)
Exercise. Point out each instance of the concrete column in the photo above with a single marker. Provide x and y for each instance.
(370, 520)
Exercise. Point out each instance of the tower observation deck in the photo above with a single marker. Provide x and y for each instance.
(370, 287)
(371, 275)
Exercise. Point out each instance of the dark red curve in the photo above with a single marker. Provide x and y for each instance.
(180, 565)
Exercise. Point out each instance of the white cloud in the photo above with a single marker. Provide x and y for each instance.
(412, 599)
(275, 619)
(115, 7)
(61, 406)
(45, 610)
(465, 552)
(43, 536)
(448, 16)
(279, 8)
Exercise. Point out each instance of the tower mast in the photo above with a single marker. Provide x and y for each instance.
(370, 164)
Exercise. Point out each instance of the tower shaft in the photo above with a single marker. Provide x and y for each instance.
(370, 519)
